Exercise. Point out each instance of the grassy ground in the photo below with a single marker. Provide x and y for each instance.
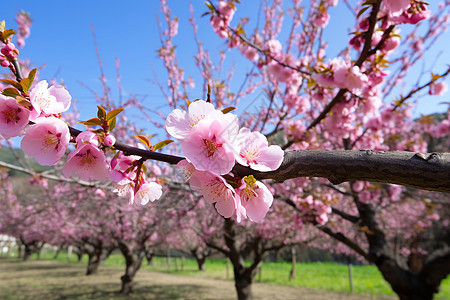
(325, 276)
(54, 280)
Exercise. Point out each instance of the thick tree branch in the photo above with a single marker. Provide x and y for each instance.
(425, 171)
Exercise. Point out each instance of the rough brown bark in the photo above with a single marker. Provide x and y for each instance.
(133, 261)
(97, 255)
(425, 171)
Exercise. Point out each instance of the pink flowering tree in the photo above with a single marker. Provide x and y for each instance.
(325, 127)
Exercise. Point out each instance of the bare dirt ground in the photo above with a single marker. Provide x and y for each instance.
(39, 280)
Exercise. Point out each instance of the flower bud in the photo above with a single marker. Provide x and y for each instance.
(109, 140)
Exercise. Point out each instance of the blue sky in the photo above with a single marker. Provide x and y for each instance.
(61, 39)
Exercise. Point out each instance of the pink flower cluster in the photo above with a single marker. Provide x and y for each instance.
(316, 208)
(403, 11)
(47, 137)
(7, 51)
(342, 74)
(131, 181)
(23, 28)
(221, 20)
(212, 144)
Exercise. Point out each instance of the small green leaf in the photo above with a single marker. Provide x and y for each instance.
(112, 123)
(362, 11)
(144, 140)
(26, 83)
(113, 113)
(435, 77)
(13, 83)
(8, 33)
(210, 6)
(228, 109)
(101, 114)
(162, 144)
(10, 92)
(92, 122)
(23, 101)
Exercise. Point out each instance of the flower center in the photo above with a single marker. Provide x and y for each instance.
(12, 114)
(88, 158)
(251, 154)
(216, 188)
(249, 190)
(43, 100)
(52, 140)
(211, 146)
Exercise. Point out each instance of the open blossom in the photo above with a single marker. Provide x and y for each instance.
(186, 169)
(149, 191)
(215, 189)
(439, 88)
(255, 198)
(254, 151)
(13, 117)
(88, 162)
(47, 101)
(209, 147)
(46, 140)
(179, 123)
(396, 7)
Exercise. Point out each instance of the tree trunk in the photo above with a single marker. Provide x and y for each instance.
(133, 260)
(243, 276)
(19, 249)
(201, 263)
(97, 256)
(421, 282)
(27, 252)
(200, 259)
(149, 256)
(406, 284)
(243, 279)
(93, 263)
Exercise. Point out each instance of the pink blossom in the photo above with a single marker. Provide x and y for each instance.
(186, 169)
(274, 46)
(87, 137)
(179, 123)
(396, 7)
(350, 78)
(250, 53)
(23, 28)
(254, 151)
(209, 147)
(255, 197)
(109, 140)
(46, 140)
(13, 117)
(88, 162)
(47, 101)
(322, 19)
(413, 15)
(149, 191)
(391, 43)
(438, 89)
(100, 193)
(124, 186)
(215, 189)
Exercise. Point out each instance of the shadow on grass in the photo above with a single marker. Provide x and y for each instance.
(108, 291)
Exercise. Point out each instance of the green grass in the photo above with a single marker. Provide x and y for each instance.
(324, 276)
